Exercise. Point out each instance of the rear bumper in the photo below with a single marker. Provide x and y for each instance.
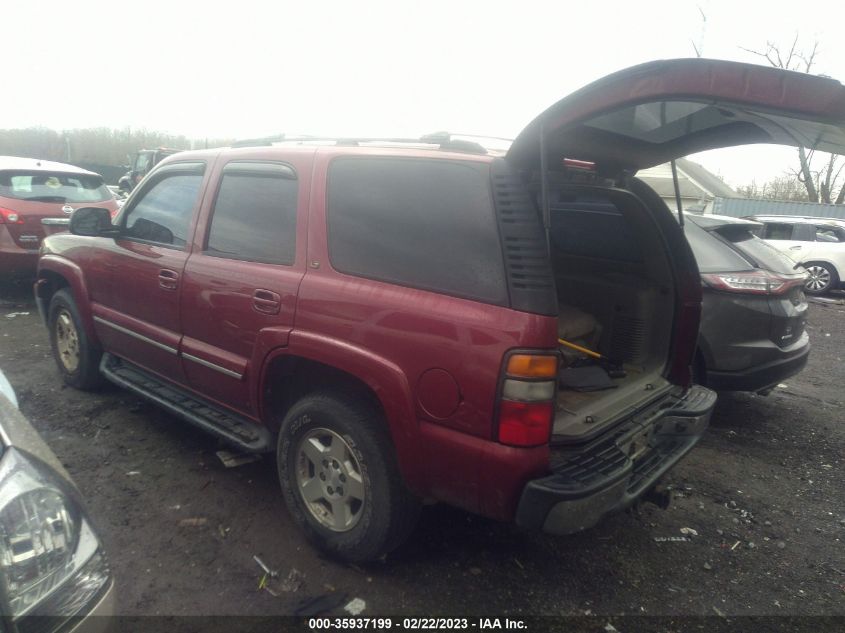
(761, 376)
(611, 473)
(15, 260)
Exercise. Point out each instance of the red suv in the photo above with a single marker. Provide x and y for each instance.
(400, 321)
(37, 192)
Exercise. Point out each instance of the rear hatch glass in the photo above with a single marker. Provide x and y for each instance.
(34, 195)
(40, 186)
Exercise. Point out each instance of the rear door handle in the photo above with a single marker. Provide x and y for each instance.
(266, 301)
(168, 279)
(795, 248)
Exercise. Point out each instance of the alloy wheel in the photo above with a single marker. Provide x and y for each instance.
(67, 341)
(818, 280)
(329, 480)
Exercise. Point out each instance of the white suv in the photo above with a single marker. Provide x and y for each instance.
(818, 244)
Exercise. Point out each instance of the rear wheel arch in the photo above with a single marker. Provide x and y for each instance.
(288, 378)
(338, 473)
(835, 276)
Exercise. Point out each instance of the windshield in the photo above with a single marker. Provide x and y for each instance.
(41, 186)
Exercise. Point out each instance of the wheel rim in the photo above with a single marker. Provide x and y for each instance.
(329, 480)
(819, 278)
(67, 341)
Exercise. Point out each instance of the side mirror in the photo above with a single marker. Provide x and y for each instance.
(92, 221)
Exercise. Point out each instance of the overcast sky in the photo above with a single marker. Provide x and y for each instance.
(247, 68)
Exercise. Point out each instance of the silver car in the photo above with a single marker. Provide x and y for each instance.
(54, 575)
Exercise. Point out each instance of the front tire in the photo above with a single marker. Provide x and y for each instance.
(822, 278)
(340, 479)
(77, 358)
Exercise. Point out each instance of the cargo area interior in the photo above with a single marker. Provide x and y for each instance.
(615, 293)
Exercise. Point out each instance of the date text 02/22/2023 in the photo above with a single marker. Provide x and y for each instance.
(416, 624)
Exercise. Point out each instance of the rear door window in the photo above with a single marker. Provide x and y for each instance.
(804, 233)
(777, 231)
(254, 216)
(423, 223)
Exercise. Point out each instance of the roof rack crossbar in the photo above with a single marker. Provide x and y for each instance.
(442, 139)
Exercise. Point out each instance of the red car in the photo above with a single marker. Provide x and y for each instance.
(423, 320)
(37, 192)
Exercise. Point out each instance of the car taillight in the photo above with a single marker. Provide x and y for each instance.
(7, 216)
(526, 404)
(757, 282)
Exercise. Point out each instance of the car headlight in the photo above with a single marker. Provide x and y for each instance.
(51, 563)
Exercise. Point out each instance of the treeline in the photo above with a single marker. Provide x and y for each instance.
(102, 150)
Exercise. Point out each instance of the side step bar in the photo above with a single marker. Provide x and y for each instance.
(243, 433)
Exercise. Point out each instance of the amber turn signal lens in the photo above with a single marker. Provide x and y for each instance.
(532, 366)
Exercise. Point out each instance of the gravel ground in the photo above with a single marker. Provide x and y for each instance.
(762, 494)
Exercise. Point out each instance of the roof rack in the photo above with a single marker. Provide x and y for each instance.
(444, 140)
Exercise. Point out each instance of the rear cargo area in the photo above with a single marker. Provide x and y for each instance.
(615, 293)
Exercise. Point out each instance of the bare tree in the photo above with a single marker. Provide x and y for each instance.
(784, 188)
(820, 184)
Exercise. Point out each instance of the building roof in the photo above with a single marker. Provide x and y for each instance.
(705, 179)
(694, 181)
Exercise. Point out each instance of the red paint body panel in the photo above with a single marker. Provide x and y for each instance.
(139, 302)
(19, 242)
(221, 319)
(766, 105)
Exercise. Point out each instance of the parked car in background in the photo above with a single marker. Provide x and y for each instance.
(54, 575)
(35, 194)
(818, 244)
(388, 315)
(754, 311)
(144, 161)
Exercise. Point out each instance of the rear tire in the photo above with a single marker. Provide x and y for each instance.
(77, 358)
(823, 277)
(340, 479)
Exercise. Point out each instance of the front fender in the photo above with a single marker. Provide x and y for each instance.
(75, 279)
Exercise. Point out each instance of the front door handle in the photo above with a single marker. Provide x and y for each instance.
(168, 279)
(266, 301)
(795, 248)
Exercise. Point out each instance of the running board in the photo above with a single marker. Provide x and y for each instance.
(238, 430)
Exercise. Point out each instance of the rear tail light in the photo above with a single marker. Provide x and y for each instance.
(757, 282)
(7, 216)
(526, 404)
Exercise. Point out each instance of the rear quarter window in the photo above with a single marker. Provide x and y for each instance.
(763, 254)
(711, 254)
(423, 223)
